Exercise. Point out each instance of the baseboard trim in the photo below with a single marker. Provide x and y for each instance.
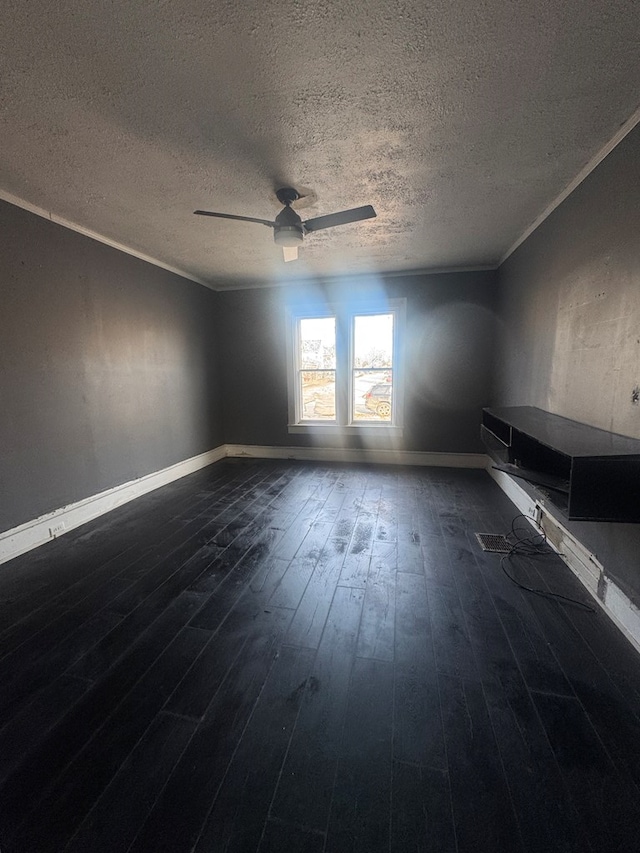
(585, 565)
(33, 533)
(374, 457)
(516, 494)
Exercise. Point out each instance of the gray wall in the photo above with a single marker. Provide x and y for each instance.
(107, 367)
(111, 368)
(451, 329)
(570, 303)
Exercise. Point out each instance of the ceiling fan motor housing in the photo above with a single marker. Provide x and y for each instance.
(288, 230)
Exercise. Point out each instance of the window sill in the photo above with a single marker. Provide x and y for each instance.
(347, 429)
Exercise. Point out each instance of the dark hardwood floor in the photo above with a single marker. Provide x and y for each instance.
(296, 657)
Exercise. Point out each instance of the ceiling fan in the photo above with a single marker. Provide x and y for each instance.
(288, 227)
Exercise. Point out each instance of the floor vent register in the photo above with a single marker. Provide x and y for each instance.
(495, 542)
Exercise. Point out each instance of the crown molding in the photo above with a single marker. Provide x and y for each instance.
(593, 164)
(93, 235)
(337, 278)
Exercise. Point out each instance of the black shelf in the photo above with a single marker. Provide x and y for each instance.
(589, 474)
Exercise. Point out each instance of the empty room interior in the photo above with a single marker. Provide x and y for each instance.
(320, 508)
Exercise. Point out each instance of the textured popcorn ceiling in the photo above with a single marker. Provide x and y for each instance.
(459, 121)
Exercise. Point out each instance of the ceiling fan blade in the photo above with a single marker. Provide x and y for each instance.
(233, 216)
(342, 218)
(290, 253)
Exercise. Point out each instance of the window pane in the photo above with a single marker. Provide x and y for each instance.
(316, 370)
(318, 395)
(318, 343)
(373, 341)
(373, 350)
(372, 395)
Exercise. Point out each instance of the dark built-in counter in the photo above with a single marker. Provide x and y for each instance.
(589, 474)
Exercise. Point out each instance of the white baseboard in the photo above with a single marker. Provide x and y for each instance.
(623, 611)
(376, 457)
(33, 533)
(515, 493)
(585, 565)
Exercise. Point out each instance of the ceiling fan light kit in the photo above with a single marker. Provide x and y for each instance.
(289, 229)
(288, 235)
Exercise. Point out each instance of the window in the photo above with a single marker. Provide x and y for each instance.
(316, 368)
(344, 367)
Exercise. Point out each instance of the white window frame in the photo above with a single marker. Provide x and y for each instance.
(345, 314)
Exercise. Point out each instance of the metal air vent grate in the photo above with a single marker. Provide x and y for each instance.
(495, 542)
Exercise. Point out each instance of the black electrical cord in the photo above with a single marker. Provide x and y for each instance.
(530, 546)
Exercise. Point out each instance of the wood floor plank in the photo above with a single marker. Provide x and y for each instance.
(294, 539)
(613, 651)
(536, 660)
(247, 548)
(608, 806)
(362, 539)
(119, 640)
(26, 729)
(281, 837)
(435, 556)
(345, 521)
(282, 655)
(230, 586)
(360, 805)
(64, 614)
(418, 734)
(81, 783)
(421, 817)
(526, 637)
(163, 572)
(377, 626)
(28, 782)
(387, 521)
(547, 817)
(303, 795)
(410, 558)
(237, 820)
(179, 814)
(450, 636)
(268, 578)
(355, 567)
(291, 585)
(616, 723)
(125, 531)
(308, 623)
(32, 677)
(115, 820)
(245, 628)
(169, 583)
(48, 626)
(483, 814)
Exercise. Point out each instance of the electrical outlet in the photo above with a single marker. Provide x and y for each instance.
(56, 529)
(534, 511)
